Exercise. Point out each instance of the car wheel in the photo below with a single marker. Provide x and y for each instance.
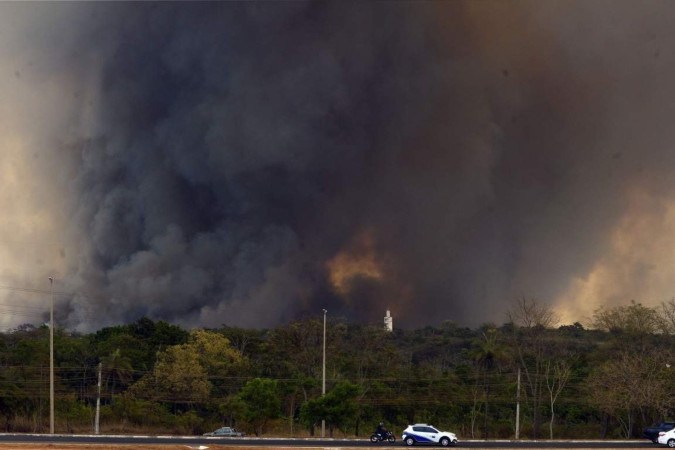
(445, 441)
(409, 441)
(671, 443)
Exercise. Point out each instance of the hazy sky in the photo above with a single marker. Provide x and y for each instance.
(251, 163)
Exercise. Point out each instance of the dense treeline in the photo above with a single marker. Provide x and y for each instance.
(607, 380)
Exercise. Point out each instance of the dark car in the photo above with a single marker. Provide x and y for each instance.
(652, 433)
(225, 431)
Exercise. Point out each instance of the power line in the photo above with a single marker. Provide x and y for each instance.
(33, 291)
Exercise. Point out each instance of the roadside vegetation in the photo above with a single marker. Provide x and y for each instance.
(607, 380)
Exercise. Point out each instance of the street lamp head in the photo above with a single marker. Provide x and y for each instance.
(324, 311)
(51, 279)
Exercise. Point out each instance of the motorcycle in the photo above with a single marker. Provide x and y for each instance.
(379, 437)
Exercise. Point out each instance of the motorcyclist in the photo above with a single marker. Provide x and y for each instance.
(381, 430)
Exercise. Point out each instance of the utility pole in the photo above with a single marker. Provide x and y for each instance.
(51, 357)
(518, 406)
(98, 399)
(323, 381)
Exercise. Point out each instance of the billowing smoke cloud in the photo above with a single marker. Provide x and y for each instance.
(250, 163)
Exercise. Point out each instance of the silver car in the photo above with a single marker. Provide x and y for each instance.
(226, 432)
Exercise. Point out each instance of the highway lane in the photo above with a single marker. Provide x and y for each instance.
(250, 442)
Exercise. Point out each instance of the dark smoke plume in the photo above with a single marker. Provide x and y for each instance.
(250, 163)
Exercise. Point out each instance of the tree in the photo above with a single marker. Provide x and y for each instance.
(246, 342)
(214, 350)
(293, 352)
(625, 386)
(118, 371)
(486, 352)
(182, 373)
(178, 377)
(293, 392)
(341, 406)
(218, 359)
(668, 316)
(367, 353)
(531, 320)
(338, 407)
(557, 375)
(634, 319)
(139, 341)
(262, 403)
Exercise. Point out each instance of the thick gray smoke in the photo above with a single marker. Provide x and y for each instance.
(250, 163)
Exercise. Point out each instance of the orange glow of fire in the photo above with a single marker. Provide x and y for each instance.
(358, 260)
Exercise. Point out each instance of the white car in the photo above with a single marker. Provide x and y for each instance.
(422, 433)
(667, 438)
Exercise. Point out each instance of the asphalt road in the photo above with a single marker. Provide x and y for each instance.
(332, 444)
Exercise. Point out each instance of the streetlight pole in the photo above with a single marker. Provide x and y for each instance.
(323, 381)
(518, 406)
(51, 357)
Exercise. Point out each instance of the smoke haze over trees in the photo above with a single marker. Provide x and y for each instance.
(252, 163)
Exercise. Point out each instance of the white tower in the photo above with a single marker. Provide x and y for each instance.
(388, 322)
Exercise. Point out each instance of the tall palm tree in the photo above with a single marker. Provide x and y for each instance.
(118, 371)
